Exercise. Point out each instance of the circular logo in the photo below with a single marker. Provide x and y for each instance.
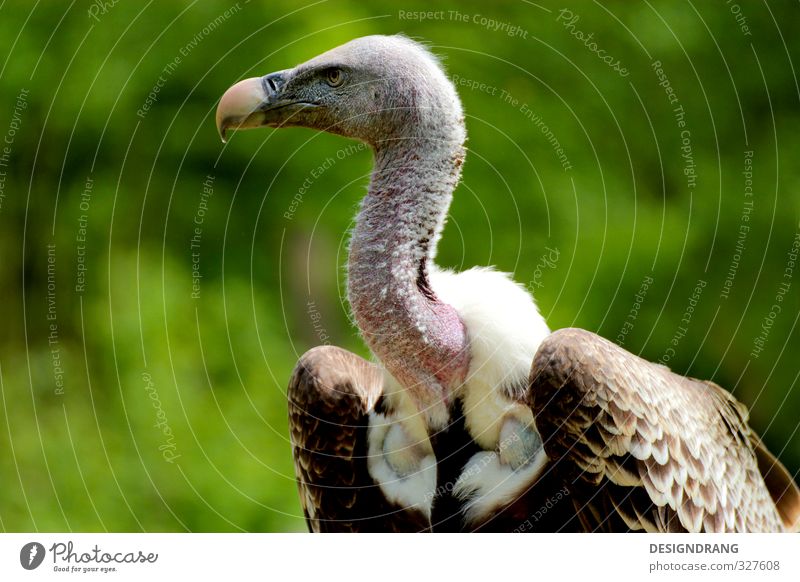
(31, 555)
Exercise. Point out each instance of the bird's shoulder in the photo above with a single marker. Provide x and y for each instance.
(658, 450)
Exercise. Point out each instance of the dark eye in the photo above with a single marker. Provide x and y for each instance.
(334, 77)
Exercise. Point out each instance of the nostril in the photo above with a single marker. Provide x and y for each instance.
(272, 83)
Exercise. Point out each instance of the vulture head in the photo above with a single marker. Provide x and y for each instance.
(372, 89)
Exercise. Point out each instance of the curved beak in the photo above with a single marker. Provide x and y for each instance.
(240, 105)
(247, 104)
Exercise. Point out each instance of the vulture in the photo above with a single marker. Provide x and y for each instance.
(474, 416)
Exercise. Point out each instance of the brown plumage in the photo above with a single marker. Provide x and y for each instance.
(646, 449)
(330, 395)
(631, 445)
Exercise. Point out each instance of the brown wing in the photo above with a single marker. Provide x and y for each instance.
(330, 396)
(781, 485)
(640, 447)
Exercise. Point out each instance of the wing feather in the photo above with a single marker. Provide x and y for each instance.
(330, 395)
(660, 451)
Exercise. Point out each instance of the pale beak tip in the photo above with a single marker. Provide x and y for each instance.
(237, 104)
(222, 126)
(223, 133)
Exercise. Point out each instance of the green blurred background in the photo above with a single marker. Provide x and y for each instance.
(148, 408)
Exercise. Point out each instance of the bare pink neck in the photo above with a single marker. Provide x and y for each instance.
(419, 339)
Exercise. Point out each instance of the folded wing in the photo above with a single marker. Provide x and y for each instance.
(642, 448)
(331, 394)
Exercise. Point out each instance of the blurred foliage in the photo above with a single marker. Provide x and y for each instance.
(93, 457)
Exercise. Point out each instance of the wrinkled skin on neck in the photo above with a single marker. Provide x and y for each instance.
(419, 339)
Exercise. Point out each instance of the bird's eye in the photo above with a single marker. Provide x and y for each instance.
(334, 77)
